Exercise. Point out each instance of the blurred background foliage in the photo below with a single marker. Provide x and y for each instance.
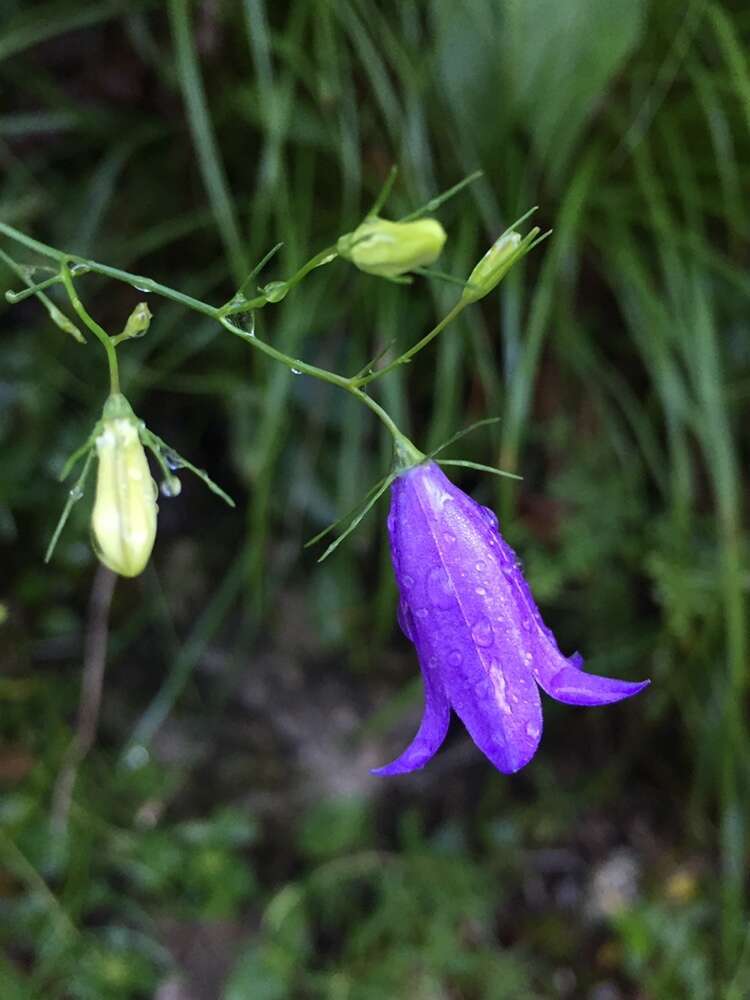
(224, 837)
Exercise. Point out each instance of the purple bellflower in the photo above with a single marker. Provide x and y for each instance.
(482, 645)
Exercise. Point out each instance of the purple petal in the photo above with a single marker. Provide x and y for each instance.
(500, 708)
(461, 615)
(561, 678)
(430, 735)
(573, 686)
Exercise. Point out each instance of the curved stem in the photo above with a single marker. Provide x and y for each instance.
(352, 386)
(348, 385)
(99, 332)
(408, 355)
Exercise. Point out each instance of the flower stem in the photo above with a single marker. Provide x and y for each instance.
(408, 355)
(347, 384)
(99, 332)
(351, 385)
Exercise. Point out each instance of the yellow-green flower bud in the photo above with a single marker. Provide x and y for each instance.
(123, 522)
(138, 322)
(493, 267)
(389, 249)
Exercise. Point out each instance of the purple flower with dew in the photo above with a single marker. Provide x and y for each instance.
(482, 645)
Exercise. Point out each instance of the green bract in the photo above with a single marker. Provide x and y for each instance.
(389, 249)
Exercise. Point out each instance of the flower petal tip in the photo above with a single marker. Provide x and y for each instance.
(573, 686)
(405, 764)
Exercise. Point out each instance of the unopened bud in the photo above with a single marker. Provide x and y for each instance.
(389, 249)
(493, 267)
(138, 322)
(123, 522)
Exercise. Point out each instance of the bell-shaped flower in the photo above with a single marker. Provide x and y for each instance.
(123, 520)
(389, 249)
(482, 645)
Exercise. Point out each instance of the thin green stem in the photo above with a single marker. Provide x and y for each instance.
(303, 368)
(408, 355)
(281, 288)
(99, 332)
(352, 386)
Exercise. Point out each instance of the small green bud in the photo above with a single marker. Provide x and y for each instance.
(493, 267)
(275, 291)
(389, 249)
(138, 322)
(123, 521)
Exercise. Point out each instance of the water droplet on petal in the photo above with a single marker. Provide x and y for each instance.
(490, 517)
(480, 566)
(526, 623)
(527, 658)
(405, 620)
(439, 588)
(407, 581)
(432, 662)
(421, 612)
(482, 688)
(455, 659)
(532, 730)
(449, 537)
(481, 632)
(480, 590)
(498, 681)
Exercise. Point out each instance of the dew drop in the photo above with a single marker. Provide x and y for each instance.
(482, 688)
(246, 322)
(141, 288)
(481, 632)
(455, 659)
(480, 566)
(80, 269)
(173, 460)
(407, 581)
(432, 662)
(449, 537)
(439, 588)
(405, 620)
(532, 730)
(480, 590)
(527, 658)
(526, 623)
(421, 612)
(490, 517)
(295, 371)
(171, 487)
(76, 493)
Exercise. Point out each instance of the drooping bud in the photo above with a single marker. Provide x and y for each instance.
(123, 521)
(493, 267)
(389, 249)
